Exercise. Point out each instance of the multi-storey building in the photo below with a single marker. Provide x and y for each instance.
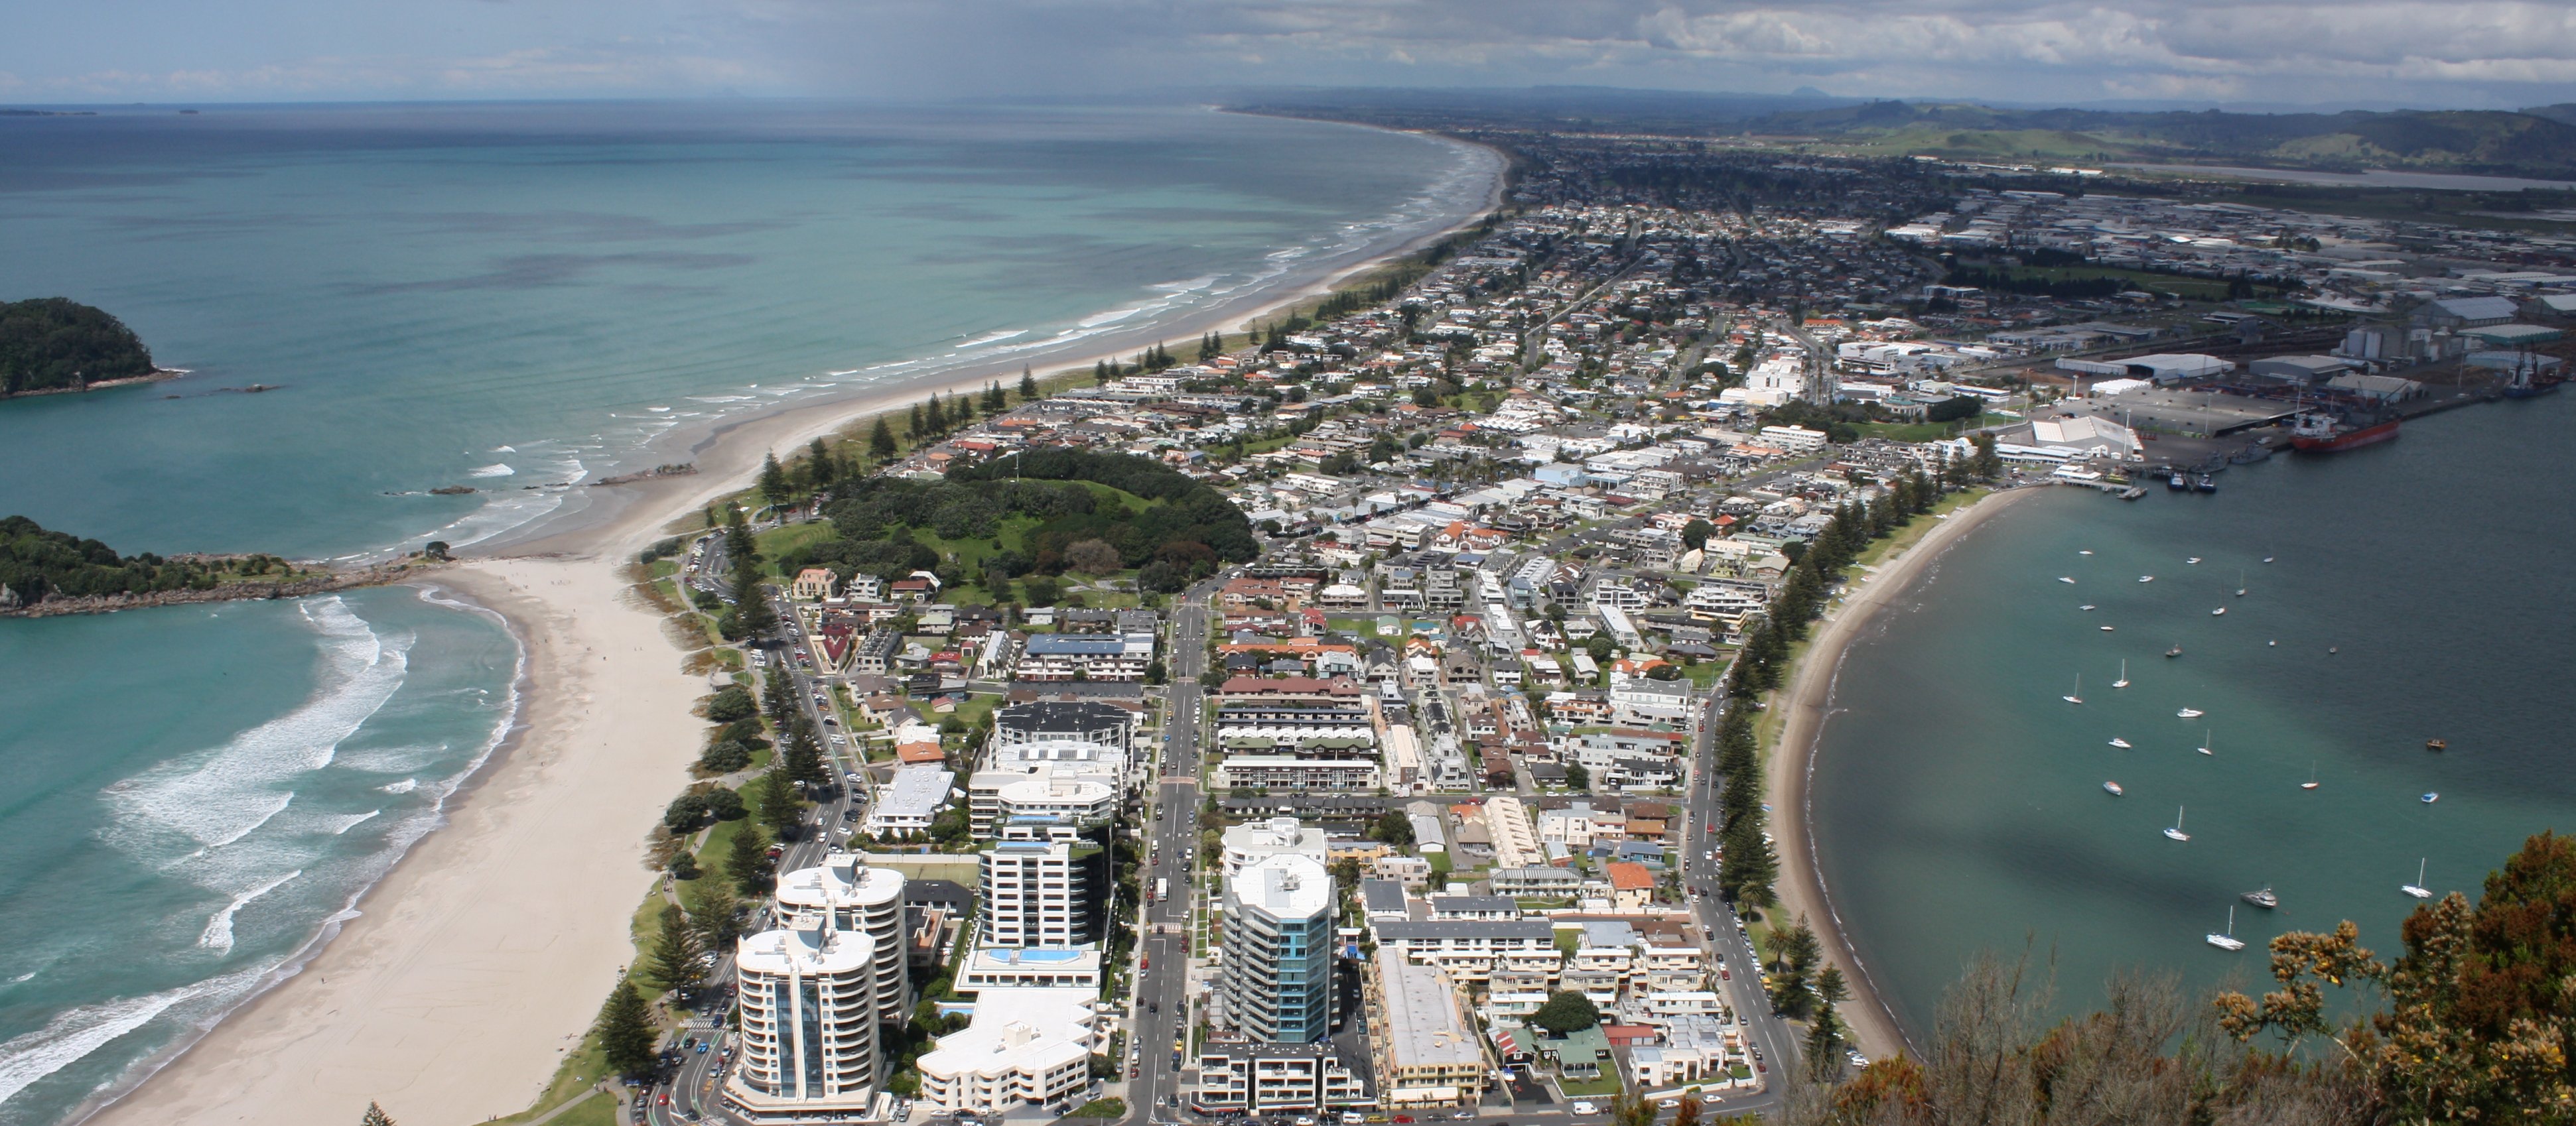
(1040, 888)
(1260, 1079)
(845, 895)
(1027, 1048)
(1472, 951)
(1277, 972)
(1424, 1051)
(809, 1035)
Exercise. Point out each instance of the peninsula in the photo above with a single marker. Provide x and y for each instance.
(44, 573)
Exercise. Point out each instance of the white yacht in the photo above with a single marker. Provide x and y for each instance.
(2228, 940)
(2190, 713)
(2176, 832)
(2417, 889)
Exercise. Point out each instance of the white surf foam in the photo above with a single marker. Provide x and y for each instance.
(218, 935)
(404, 786)
(217, 796)
(496, 469)
(341, 825)
(29, 1057)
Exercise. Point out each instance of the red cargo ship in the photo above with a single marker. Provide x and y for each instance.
(2321, 434)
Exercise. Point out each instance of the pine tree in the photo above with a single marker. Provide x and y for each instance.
(716, 920)
(1100, 372)
(749, 864)
(376, 1116)
(819, 464)
(626, 1033)
(775, 800)
(1028, 384)
(918, 427)
(773, 479)
(677, 954)
(752, 613)
(935, 415)
(965, 408)
(881, 440)
(778, 700)
(1210, 348)
(1749, 867)
(804, 755)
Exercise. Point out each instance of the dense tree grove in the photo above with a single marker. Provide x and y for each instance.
(52, 343)
(1077, 528)
(36, 564)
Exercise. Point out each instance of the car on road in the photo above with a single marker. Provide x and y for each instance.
(1586, 1108)
(1669, 1104)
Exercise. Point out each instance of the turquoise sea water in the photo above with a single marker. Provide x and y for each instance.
(499, 296)
(2419, 589)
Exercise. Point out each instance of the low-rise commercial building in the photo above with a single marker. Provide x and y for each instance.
(1026, 1048)
(1266, 1078)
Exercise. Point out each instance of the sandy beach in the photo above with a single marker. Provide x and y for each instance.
(488, 950)
(1809, 700)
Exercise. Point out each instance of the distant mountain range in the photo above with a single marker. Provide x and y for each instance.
(2537, 142)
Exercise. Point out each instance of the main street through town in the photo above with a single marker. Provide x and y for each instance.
(1162, 995)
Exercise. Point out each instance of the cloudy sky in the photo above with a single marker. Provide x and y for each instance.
(2466, 53)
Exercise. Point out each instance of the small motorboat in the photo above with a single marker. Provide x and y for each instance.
(2430, 797)
(2267, 558)
(2437, 744)
(2066, 578)
(2193, 559)
(2146, 578)
(2262, 897)
(2204, 483)
(2086, 606)
(2176, 651)
(2190, 713)
(2221, 611)
(2106, 629)
(2121, 743)
(2086, 551)
(2113, 789)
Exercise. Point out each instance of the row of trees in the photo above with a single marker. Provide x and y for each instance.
(36, 564)
(1749, 867)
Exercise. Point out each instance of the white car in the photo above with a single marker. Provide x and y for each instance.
(1586, 1108)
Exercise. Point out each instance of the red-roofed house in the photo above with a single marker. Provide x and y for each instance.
(1632, 887)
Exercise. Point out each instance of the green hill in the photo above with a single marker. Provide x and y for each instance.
(2540, 142)
(52, 343)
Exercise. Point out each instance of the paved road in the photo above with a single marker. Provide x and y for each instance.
(1162, 994)
(1778, 1042)
(692, 1088)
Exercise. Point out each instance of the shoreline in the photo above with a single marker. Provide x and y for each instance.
(496, 936)
(1808, 702)
(728, 451)
(484, 953)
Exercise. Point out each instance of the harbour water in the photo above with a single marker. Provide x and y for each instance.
(2416, 592)
(512, 298)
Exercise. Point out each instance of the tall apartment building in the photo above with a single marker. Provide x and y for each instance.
(1277, 973)
(809, 1037)
(1042, 887)
(845, 895)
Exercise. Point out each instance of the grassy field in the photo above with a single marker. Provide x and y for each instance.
(1926, 431)
(1921, 526)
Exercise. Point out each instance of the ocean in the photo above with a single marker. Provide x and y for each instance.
(2410, 596)
(514, 298)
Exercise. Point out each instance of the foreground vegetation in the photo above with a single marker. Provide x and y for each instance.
(2471, 1023)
